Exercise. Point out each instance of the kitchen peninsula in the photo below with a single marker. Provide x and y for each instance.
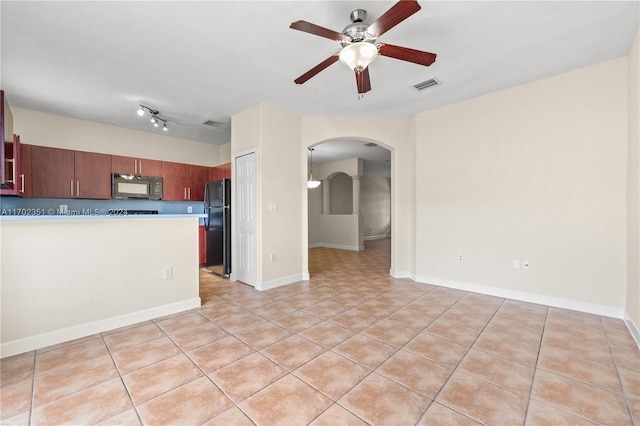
(66, 277)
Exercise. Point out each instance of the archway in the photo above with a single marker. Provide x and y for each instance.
(351, 209)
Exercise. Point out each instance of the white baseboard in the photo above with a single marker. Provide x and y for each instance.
(558, 302)
(64, 335)
(266, 285)
(377, 237)
(401, 274)
(336, 246)
(633, 327)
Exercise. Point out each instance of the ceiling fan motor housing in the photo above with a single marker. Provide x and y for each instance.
(356, 31)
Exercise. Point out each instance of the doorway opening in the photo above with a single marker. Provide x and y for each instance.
(351, 210)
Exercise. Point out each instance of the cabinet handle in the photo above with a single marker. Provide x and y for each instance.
(77, 188)
(189, 192)
(140, 168)
(22, 183)
(72, 188)
(185, 193)
(135, 167)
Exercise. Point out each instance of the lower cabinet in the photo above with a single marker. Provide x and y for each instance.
(202, 245)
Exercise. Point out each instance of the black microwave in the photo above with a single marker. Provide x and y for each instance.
(132, 186)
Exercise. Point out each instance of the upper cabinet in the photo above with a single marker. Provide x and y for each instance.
(135, 166)
(9, 151)
(63, 173)
(26, 175)
(183, 182)
(222, 171)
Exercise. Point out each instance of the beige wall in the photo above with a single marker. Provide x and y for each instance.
(38, 128)
(536, 172)
(375, 204)
(341, 194)
(69, 277)
(633, 192)
(274, 135)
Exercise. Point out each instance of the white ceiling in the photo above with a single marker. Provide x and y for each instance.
(208, 60)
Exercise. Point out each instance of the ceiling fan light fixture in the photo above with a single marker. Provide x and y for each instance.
(358, 56)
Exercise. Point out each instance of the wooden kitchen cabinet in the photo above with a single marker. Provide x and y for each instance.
(92, 174)
(174, 178)
(10, 181)
(202, 245)
(223, 171)
(26, 174)
(135, 166)
(63, 173)
(198, 178)
(183, 182)
(52, 170)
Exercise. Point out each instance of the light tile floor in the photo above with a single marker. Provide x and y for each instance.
(350, 347)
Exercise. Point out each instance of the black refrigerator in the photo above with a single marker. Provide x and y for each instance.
(217, 208)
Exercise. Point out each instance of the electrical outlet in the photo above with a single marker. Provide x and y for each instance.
(167, 273)
(189, 209)
(525, 264)
(272, 257)
(516, 264)
(460, 258)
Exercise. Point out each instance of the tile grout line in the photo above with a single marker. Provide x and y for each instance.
(453, 371)
(615, 365)
(535, 366)
(126, 389)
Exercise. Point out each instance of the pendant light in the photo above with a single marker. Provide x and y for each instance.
(311, 183)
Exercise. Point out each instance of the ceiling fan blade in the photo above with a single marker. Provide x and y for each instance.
(310, 28)
(405, 54)
(363, 81)
(392, 17)
(315, 70)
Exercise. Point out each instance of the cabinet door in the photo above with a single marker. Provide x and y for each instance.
(174, 179)
(202, 246)
(149, 167)
(26, 177)
(198, 177)
(92, 175)
(124, 165)
(52, 171)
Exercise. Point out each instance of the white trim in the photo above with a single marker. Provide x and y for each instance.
(306, 276)
(401, 274)
(633, 327)
(64, 335)
(377, 237)
(558, 302)
(336, 246)
(266, 285)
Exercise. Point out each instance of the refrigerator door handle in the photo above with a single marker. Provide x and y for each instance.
(207, 213)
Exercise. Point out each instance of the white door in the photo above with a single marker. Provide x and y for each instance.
(246, 216)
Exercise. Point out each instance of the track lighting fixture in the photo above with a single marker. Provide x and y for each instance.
(154, 117)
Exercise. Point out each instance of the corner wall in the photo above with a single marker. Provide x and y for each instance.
(535, 173)
(633, 194)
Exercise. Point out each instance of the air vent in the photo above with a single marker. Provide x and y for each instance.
(213, 123)
(427, 83)
(370, 144)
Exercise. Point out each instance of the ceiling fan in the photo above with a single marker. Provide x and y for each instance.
(359, 47)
